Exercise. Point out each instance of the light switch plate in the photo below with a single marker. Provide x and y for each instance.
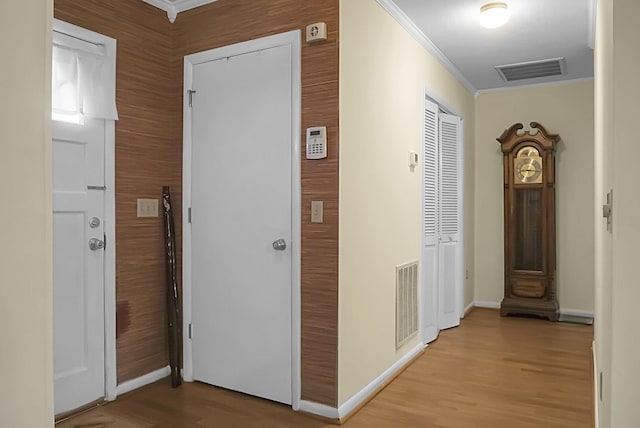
(147, 208)
(317, 208)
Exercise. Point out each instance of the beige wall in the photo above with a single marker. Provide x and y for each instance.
(26, 305)
(563, 109)
(617, 342)
(383, 75)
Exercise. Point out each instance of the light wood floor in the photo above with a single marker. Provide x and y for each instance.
(489, 372)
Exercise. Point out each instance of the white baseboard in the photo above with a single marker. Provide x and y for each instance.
(352, 403)
(364, 394)
(141, 381)
(319, 409)
(468, 308)
(576, 313)
(496, 305)
(596, 387)
(488, 305)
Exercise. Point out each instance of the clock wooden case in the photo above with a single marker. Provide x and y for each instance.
(529, 222)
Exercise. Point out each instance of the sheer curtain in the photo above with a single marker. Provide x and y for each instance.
(83, 81)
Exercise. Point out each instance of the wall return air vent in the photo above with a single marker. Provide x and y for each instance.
(532, 69)
(406, 302)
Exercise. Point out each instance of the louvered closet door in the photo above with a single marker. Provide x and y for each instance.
(430, 223)
(449, 247)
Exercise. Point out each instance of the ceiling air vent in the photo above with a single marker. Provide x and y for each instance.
(531, 70)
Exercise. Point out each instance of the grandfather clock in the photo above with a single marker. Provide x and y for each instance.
(529, 222)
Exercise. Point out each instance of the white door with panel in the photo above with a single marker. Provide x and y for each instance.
(241, 223)
(442, 216)
(78, 263)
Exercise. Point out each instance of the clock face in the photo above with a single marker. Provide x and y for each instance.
(527, 166)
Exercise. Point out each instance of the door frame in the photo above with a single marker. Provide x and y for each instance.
(430, 95)
(291, 38)
(110, 369)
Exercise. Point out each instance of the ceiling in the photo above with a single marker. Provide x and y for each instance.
(537, 30)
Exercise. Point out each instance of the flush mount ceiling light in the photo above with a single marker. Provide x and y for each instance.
(494, 15)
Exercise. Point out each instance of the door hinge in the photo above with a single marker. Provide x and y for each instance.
(190, 331)
(190, 92)
(104, 248)
(189, 215)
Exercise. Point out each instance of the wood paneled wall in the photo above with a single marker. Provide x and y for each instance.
(148, 156)
(231, 21)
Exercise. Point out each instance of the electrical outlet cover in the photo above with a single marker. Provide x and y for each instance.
(317, 32)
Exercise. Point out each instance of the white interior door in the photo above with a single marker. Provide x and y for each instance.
(78, 218)
(241, 211)
(442, 214)
(430, 227)
(449, 257)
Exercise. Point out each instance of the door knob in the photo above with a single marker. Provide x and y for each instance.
(280, 245)
(96, 244)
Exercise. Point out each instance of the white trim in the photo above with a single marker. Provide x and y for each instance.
(144, 380)
(296, 220)
(187, 367)
(496, 305)
(365, 393)
(174, 7)
(319, 409)
(110, 367)
(182, 5)
(461, 211)
(487, 305)
(426, 43)
(166, 6)
(596, 387)
(535, 85)
(576, 313)
(432, 95)
(83, 34)
(468, 308)
(291, 38)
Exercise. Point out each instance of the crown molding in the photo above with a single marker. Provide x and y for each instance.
(426, 43)
(534, 85)
(173, 8)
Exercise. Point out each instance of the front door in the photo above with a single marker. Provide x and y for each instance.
(78, 263)
(241, 223)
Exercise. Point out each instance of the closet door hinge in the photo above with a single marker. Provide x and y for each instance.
(190, 92)
(189, 215)
(190, 331)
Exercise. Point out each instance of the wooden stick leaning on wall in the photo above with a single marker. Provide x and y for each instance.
(173, 299)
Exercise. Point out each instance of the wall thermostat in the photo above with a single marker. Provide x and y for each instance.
(317, 142)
